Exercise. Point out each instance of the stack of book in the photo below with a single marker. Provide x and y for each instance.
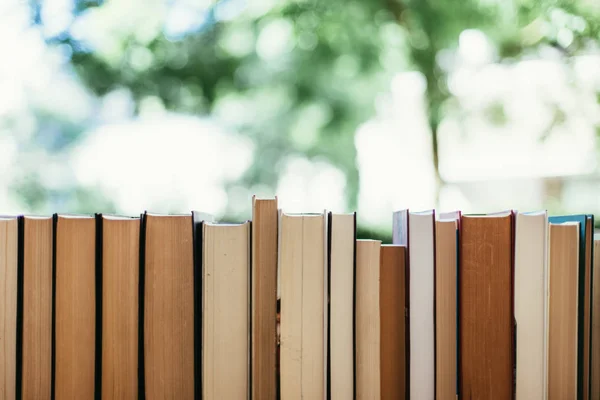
(293, 306)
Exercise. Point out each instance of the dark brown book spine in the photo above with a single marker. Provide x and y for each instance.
(393, 333)
(264, 299)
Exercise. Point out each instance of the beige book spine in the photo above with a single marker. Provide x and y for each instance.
(368, 339)
(226, 294)
(303, 345)
(342, 307)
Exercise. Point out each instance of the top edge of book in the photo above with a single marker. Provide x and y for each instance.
(571, 216)
(153, 214)
(565, 223)
(7, 217)
(342, 214)
(256, 198)
(226, 223)
(119, 217)
(322, 214)
(499, 214)
(533, 213)
(75, 216)
(370, 241)
(450, 216)
(40, 217)
(425, 212)
(391, 245)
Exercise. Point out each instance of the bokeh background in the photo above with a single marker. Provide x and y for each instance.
(370, 105)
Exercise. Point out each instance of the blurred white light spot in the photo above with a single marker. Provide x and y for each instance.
(56, 16)
(117, 105)
(183, 18)
(564, 37)
(140, 58)
(168, 164)
(474, 47)
(307, 186)
(226, 10)
(275, 39)
(395, 169)
(409, 85)
(238, 40)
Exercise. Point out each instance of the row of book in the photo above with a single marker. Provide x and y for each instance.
(290, 306)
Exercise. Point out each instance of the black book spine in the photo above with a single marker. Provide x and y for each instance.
(20, 282)
(53, 356)
(197, 240)
(328, 294)
(98, 360)
(141, 286)
(354, 312)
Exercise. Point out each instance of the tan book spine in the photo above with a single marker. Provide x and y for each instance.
(75, 320)
(302, 266)
(341, 339)
(264, 298)
(169, 307)
(37, 308)
(392, 322)
(563, 297)
(8, 306)
(226, 296)
(445, 306)
(368, 339)
(120, 280)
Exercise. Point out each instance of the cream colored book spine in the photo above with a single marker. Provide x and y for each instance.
(531, 289)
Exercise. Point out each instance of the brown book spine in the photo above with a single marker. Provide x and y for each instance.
(392, 324)
(563, 305)
(120, 280)
(169, 307)
(446, 304)
(264, 299)
(486, 316)
(36, 301)
(75, 308)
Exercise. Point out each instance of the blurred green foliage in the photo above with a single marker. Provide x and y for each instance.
(299, 76)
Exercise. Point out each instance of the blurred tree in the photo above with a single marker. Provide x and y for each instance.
(298, 76)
